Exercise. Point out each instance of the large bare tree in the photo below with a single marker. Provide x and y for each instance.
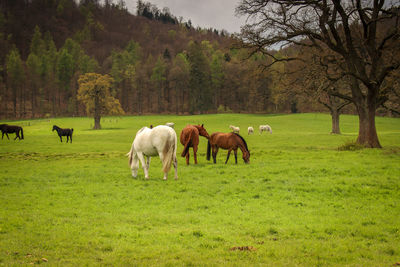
(363, 35)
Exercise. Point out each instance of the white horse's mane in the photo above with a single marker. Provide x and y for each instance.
(141, 130)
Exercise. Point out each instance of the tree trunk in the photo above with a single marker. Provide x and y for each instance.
(33, 102)
(96, 113)
(97, 123)
(367, 135)
(335, 121)
(14, 97)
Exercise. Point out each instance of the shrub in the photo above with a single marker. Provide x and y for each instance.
(350, 146)
(224, 109)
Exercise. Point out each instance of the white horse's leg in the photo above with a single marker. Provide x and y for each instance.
(162, 160)
(144, 165)
(175, 162)
(148, 162)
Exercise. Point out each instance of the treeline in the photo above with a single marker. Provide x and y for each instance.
(159, 64)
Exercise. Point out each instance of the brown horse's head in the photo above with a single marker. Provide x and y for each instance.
(202, 131)
(246, 156)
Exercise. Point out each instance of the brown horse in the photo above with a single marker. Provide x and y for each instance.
(229, 141)
(190, 138)
(6, 129)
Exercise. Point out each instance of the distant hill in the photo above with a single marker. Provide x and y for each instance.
(100, 28)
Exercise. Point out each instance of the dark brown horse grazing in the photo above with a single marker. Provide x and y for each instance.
(229, 141)
(190, 138)
(6, 129)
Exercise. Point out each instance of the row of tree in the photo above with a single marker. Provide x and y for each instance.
(200, 79)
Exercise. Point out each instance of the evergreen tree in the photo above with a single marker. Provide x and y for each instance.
(200, 79)
(217, 76)
(15, 76)
(65, 72)
(33, 64)
(158, 78)
(179, 76)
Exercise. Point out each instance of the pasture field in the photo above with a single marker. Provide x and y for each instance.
(300, 201)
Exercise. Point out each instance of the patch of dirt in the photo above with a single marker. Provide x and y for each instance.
(244, 248)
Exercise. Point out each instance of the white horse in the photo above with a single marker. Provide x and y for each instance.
(250, 130)
(264, 128)
(170, 124)
(160, 140)
(234, 128)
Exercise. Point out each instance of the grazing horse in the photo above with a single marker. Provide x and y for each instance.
(64, 132)
(6, 129)
(265, 128)
(159, 141)
(250, 130)
(190, 138)
(234, 129)
(229, 141)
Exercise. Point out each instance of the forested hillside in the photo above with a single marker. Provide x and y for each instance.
(158, 63)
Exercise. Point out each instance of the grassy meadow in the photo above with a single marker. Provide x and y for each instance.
(300, 201)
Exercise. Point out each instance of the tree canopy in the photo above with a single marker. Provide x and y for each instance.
(95, 93)
(362, 36)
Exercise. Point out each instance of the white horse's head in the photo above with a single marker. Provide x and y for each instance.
(134, 162)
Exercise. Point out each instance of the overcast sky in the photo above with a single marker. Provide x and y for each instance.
(218, 14)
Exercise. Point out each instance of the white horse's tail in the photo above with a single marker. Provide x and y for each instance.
(130, 156)
(169, 153)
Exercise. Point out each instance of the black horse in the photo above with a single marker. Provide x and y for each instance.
(6, 129)
(64, 132)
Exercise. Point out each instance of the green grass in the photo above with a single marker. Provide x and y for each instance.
(300, 201)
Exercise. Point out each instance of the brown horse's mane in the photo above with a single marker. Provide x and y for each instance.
(245, 144)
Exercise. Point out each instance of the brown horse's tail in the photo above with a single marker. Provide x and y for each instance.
(208, 149)
(22, 133)
(187, 145)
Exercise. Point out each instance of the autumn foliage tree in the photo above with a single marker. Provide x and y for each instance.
(95, 93)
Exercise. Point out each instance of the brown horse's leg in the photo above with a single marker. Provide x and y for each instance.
(187, 158)
(70, 138)
(229, 153)
(7, 136)
(235, 152)
(214, 153)
(195, 154)
(60, 138)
